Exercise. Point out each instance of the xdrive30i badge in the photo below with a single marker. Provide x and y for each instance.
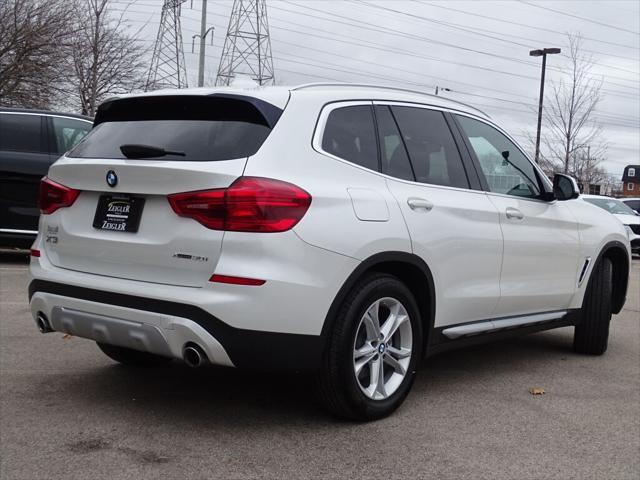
(112, 178)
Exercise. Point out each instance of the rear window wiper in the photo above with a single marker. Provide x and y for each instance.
(146, 151)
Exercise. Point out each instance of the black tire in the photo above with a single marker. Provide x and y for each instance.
(132, 358)
(338, 387)
(592, 333)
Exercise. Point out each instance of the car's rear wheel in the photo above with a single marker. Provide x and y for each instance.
(592, 333)
(132, 358)
(373, 350)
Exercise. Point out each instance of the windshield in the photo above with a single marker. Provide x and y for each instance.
(611, 205)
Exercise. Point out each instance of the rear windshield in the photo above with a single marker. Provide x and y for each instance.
(199, 128)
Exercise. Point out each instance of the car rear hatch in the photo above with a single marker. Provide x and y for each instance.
(121, 224)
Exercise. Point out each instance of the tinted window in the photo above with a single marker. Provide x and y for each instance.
(433, 153)
(505, 167)
(611, 205)
(395, 161)
(68, 132)
(201, 128)
(21, 133)
(350, 134)
(634, 204)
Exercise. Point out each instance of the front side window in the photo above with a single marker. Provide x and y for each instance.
(21, 133)
(432, 150)
(505, 167)
(632, 172)
(68, 132)
(630, 186)
(350, 134)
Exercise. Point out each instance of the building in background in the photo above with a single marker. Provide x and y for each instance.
(631, 181)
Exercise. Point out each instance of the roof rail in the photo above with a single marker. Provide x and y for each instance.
(383, 87)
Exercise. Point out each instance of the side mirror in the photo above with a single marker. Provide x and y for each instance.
(565, 187)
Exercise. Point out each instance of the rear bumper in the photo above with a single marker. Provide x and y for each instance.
(164, 327)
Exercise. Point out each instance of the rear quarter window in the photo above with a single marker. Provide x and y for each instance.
(349, 133)
(68, 132)
(22, 133)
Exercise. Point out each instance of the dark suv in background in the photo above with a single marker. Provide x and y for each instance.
(30, 141)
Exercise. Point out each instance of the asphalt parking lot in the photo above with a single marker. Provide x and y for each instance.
(67, 411)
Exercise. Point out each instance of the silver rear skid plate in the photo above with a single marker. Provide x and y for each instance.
(490, 326)
(113, 331)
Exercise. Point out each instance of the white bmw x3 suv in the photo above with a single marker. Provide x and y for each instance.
(347, 230)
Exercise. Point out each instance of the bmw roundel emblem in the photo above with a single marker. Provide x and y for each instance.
(112, 178)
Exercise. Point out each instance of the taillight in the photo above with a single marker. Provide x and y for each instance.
(53, 196)
(250, 204)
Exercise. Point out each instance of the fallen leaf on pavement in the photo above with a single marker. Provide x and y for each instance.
(66, 336)
(536, 391)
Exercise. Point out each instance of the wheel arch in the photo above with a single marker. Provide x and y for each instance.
(408, 268)
(619, 256)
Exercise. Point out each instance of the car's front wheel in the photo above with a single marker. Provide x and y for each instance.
(592, 333)
(373, 350)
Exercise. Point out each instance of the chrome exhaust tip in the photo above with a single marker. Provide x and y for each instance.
(194, 356)
(43, 323)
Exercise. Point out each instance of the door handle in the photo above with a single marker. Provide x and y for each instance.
(514, 213)
(419, 203)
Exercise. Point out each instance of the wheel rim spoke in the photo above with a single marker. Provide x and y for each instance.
(380, 386)
(395, 364)
(366, 350)
(364, 360)
(398, 353)
(372, 322)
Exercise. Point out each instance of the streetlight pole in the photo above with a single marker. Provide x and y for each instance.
(541, 53)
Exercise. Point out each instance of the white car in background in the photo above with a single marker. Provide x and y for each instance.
(346, 230)
(629, 217)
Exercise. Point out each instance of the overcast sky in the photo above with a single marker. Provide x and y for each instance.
(479, 49)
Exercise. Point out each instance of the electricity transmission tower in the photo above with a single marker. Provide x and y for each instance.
(247, 46)
(167, 64)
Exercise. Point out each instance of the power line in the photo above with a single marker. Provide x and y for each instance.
(511, 22)
(404, 52)
(478, 31)
(340, 68)
(377, 28)
(596, 22)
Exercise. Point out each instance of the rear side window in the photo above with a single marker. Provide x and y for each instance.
(395, 161)
(191, 128)
(22, 133)
(432, 150)
(68, 132)
(350, 134)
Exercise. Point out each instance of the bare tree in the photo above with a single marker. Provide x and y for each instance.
(571, 129)
(33, 34)
(106, 60)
